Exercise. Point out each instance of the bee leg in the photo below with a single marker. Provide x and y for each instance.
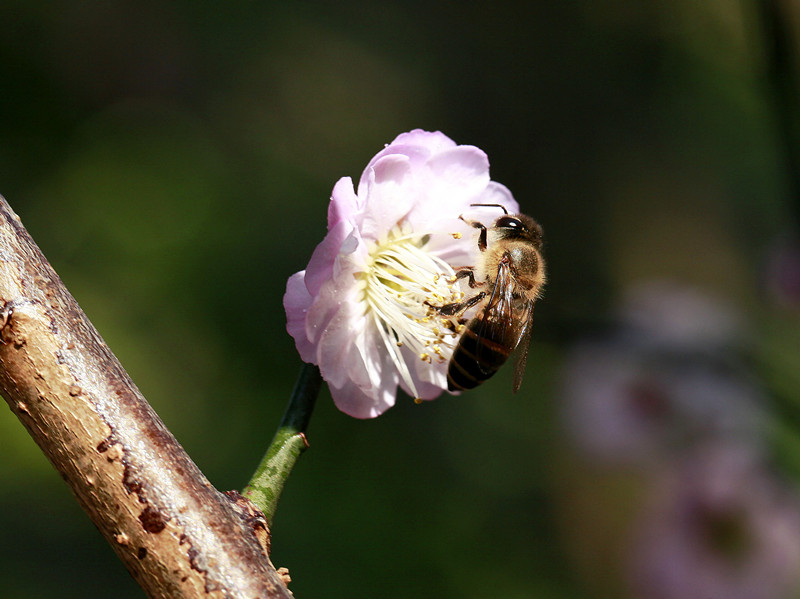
(469, 274)
(482, 236)
(458, 307)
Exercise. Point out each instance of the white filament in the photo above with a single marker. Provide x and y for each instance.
(401, 277)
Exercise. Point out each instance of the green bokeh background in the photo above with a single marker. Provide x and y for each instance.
(173, 160)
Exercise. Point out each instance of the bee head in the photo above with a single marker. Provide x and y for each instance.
(519, 226)
(515, 226)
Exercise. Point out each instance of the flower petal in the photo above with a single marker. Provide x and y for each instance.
(325, 307)
(354, 402)
(417, 145)
(321, 266)
(453, 180)
(387, 188)
(337, 356)
(462, 167)
(497, 193)
(296, 302)
(433, 141)
(344, 204)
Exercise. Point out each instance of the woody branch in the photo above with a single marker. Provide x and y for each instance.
(176, 534)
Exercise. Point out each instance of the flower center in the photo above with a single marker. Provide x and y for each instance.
(402, 276)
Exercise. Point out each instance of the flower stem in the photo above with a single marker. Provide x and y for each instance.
(266, 485)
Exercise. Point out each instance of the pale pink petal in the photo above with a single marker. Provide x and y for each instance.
(425, 390)
(418, 146)
(320, 267)
(386, 186)
(296, 302)
(433, 141)
(453, 180)
(344, 204)
(354, 402)
(338, 291)
(497, 193)
(461, 168)
(336, 349)
(415, 155)
(373, 361)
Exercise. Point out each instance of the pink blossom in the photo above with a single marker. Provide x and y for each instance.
(720, 525)
(357, 310)
(666, 374)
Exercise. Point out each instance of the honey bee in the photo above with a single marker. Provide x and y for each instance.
(511, 271)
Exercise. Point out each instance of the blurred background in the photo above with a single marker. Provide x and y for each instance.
(174, 160)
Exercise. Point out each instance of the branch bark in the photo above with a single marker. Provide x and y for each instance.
(176, 534)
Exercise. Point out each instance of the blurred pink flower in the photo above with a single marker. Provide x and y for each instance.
(358, 310)
(666, 314)
(624, 405)
(720, 525)
(782, 274)
(666, 375)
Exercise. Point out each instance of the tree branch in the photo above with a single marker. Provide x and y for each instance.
(176, 534)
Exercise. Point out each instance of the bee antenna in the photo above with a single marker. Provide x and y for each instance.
(503, 208)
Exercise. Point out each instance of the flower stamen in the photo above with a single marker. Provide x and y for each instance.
(402, 275)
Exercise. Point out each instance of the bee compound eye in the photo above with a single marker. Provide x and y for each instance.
(510, 222)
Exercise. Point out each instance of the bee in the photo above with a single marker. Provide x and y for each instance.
(510, 274)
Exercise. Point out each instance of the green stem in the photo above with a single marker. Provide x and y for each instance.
(266, 485)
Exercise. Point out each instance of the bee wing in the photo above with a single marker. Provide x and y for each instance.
(523, 344)
(494, 327)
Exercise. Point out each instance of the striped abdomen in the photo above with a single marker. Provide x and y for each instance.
(476, 358)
